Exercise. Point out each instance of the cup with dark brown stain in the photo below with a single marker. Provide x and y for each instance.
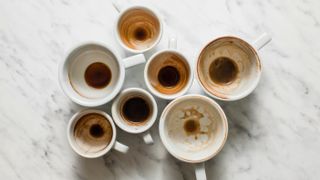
(93, 73)
(229, 68)
(135, 111)
(168, 73)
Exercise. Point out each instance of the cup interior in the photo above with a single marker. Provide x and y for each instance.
(139, 28)
(91, 133)
(148, 108)
(193, 128)
(168, 74)
(228, 68)
(91, 73)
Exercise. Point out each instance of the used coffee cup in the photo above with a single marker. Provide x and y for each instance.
(93, 73)
(92, 134)
(193, 128)
(135, 111)
(168, 73)
(229, 68)
(138, 28)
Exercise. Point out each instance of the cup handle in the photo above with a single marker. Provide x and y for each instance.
(172, 43)
(120, 147)
(117, 6)
(134, 60)
(200, 171)
(147, 138)
(262, 40)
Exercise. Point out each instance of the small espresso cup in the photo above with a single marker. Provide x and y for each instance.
(93, 73)
(138, 28)
(92, 134)
(229, 68)
(168, 73)
(194, 129)
(135, 111)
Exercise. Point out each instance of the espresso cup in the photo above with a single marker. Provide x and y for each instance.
(92, 134)
(193, 128)
(93, 73)
(168, 73)
(229, 68)
(135, 111)
(138, 28)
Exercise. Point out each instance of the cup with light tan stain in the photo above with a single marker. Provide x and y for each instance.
(168, 73)
(229, 68)
(194, 129)
(138, 28)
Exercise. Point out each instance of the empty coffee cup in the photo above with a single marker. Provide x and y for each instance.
(193, 128)
(168, 73)
(135, 111)
(93, 73)
(92, 134)
(229, 68)
(138, 28)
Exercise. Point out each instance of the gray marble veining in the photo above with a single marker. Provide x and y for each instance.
(273, 133)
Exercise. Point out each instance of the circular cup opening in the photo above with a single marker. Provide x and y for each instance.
(228, 68)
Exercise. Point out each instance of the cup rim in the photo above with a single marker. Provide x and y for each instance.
(246, 92)
(116, 32)
(166, 96)
(72, 94)
(162, 126)
(73, 121)
(117, 117)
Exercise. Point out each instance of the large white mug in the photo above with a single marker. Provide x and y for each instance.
(229, 68)
(93, 73)
(138, 28)
(194, 129)
(92, 133)
(168, 73)
(135, 111)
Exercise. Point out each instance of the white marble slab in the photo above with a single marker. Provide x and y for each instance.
(273, 134)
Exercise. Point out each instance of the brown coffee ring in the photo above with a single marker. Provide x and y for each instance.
(168, 59)
(138, 18)
(126, 120)
(85, 139)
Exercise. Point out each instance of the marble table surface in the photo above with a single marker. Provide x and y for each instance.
(273, 134)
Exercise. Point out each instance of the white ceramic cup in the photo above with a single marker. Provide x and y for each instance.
(132, 127)
(172, 49)
(246, 58)
(193, 128)
(113, 144)
(72, 70)
(124, 11)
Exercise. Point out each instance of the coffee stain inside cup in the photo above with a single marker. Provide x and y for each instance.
(192, 125)
(98, 75)
(223, 70)
(168, 73)
(139, 28)
(93, 133)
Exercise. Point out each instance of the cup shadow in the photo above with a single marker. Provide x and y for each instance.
(243, 130)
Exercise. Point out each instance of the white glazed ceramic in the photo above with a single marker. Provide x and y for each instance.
(113, 144)
(172, 47)
(118, 119)
(72, 69)
(248, 84)
(122, 11)
(211, 133)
